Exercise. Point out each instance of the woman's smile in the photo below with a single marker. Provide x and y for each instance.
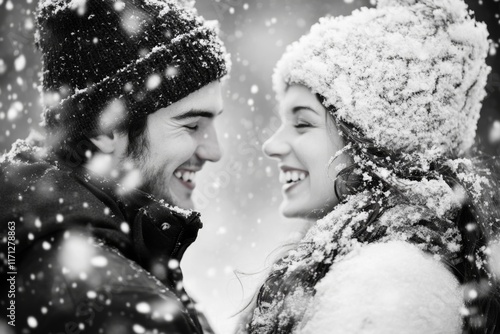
(291, 177)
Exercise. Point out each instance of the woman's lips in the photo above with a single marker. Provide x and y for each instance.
(289, 176)
(292, 177)
(289, 186)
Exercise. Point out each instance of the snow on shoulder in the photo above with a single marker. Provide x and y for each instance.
(22, 147)
(389, 287)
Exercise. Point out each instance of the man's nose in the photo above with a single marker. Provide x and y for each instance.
(209, 148)
(277, 146)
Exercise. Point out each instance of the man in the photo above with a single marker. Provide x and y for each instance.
(131, 90)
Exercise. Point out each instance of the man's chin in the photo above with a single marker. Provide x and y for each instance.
(183, 203)
(185, 206)
(187, 203)
(157, 190)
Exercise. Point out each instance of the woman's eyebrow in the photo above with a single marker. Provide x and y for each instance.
(298, 108)
(196, 113)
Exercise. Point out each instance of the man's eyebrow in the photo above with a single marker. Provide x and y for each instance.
(298, 108)
(197, 113)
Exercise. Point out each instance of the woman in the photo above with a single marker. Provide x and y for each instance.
(378, 109)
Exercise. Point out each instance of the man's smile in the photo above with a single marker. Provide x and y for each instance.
(186, 177)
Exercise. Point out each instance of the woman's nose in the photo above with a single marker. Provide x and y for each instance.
(277, 146)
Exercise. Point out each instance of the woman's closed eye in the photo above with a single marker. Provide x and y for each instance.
(304, 118)
(302, 124)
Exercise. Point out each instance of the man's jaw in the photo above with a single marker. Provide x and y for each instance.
(175, 189)
(181, 187)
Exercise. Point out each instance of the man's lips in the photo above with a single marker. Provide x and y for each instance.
(186, 177)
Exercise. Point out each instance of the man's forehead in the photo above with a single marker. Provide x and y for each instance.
(207, 99)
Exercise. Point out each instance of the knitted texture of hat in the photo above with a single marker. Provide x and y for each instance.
(410, 74)
(147, 54)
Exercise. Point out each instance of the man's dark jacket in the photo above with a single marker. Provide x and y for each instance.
(85, 259)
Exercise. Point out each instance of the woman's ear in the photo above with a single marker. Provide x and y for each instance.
(106, 143)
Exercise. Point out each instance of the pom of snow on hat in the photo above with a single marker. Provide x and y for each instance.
(410, 74)
(146, 53)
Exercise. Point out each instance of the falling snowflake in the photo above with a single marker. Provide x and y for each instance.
(91, 294)
(32, 322)
(138, 329)
(119, 5)
(153, 81)
(112, 115)
(3, 66)
(494, 135)
(15, 109)
(101, 164)
(20, 63)
(99, 261)
(143, 307)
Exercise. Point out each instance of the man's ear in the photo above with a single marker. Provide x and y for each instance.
(106, 143)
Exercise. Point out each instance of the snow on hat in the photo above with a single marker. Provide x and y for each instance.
(410, 74)
(147, 54)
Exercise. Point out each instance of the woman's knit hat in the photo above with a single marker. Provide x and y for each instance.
(146, 53)
(410, 74)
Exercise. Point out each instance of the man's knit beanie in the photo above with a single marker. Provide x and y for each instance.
(410, 74)
(146, 54)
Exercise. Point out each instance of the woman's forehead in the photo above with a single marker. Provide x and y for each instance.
(300, 96)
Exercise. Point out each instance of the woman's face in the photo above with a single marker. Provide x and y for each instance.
(304, 146)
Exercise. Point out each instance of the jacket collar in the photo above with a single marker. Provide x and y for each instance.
(158, 230)
(142, 227)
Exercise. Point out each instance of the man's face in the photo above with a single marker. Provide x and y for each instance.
(181, 138)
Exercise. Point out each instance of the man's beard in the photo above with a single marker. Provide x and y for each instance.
(153, 180)
(154, 183)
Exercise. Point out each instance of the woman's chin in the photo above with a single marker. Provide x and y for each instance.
(294, 210)
(297, 210)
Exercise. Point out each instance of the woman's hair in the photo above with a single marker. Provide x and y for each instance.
(482, 311)
(477, 221)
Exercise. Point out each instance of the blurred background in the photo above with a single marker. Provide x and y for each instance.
(238, 196)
